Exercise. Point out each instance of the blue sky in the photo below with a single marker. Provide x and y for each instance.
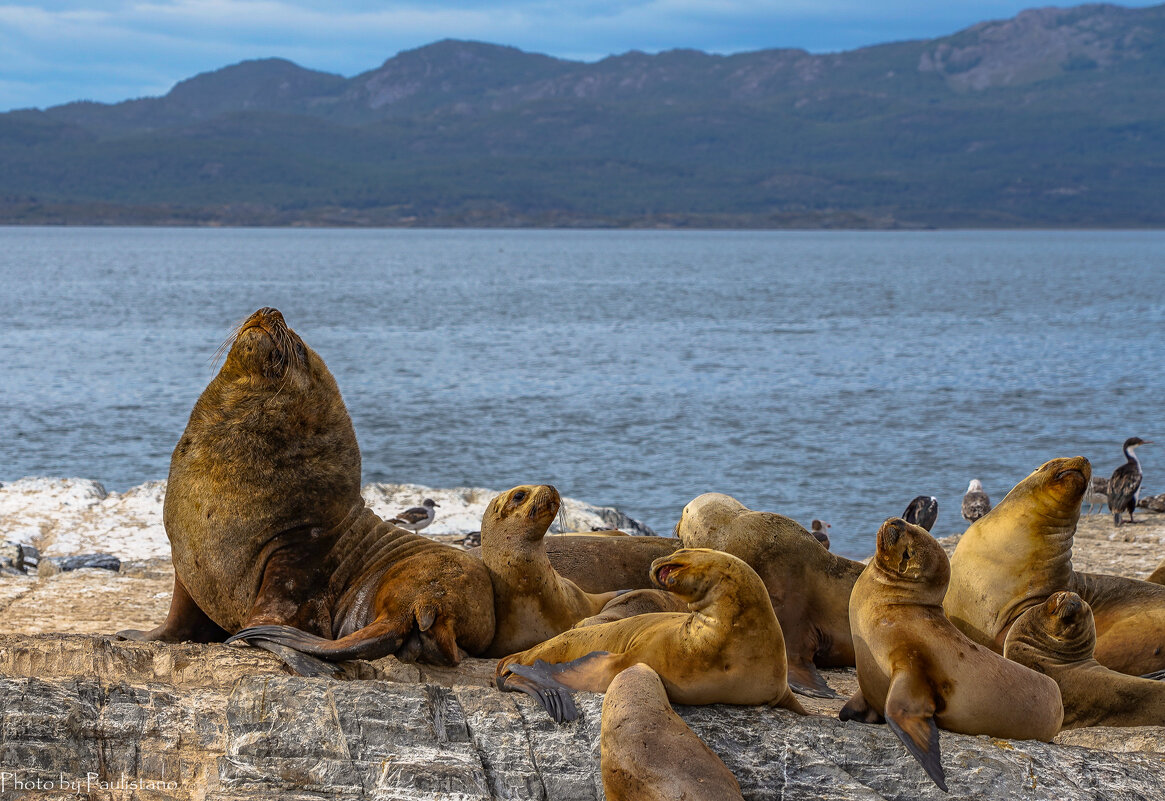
(54, 52)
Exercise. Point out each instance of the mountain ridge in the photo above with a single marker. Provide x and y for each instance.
(1053, 117)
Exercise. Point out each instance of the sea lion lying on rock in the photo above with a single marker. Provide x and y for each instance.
(1058, 638)
(919, 673)
(649, 753)
(271, 539)
(808, 586)
(727, 649)
(532, 602)
(1020, 553)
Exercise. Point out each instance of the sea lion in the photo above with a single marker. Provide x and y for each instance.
(1020, 552)
(808, 586)
(728, 649)
(1158, 575)
(532, 603)
(599, 563)
(919, 672)
(635, 602)
(271, 539)
(648, 753)
(1058, 638)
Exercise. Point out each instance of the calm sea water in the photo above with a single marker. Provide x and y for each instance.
(818, 374)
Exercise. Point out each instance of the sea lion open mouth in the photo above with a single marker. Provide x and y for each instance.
(665, 572)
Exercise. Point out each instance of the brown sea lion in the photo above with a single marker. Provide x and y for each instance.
(727, 649)
(1020, 552)
(919, 672)
(1058, 638)
(532, 602)
(649, 753)
(1158, 575)
(808, 586)
(271, 539)
(599, 563)
(635, 602)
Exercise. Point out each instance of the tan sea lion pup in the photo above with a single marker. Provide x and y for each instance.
(1020, 552)
(919, 672)
(1057, 638)
(532, 602)
(270, 536)
(809, 586)
(649, 753)
(728, 649)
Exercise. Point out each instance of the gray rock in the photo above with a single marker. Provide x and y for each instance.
(228, 723)
(60, 564)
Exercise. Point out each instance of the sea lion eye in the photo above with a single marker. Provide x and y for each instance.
(300, 351)
(519, 496)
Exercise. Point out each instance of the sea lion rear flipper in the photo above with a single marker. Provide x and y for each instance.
(805, 680)
(374, 641)
(910, 713)
(536, 682)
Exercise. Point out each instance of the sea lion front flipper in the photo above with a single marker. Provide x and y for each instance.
(376, 640)
(805, 680)
(859, 709)
(1157, 675)
(535, 682)
(304, 665)
(185, 622)
(910, 713)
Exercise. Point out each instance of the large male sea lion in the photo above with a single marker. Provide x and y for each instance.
(808, 586)
(648, 753)
(271, 539)
(919, 672)
(532, 602)
(1057, 638)
(1020, 552)
(727, 649)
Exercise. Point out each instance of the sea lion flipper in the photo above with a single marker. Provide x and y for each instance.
(1157, 675)
(589, 673)
(185, 622)
(859, 709)
(805, 680)
(374, 641)
(535, 682)
(301, 663)
(910, 713)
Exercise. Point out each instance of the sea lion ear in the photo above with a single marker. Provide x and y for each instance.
(425, 615)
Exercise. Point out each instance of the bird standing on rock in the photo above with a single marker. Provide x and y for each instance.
(975, 502)
(1124, 488)
(418, 517)
(922, 511)
(819, 531)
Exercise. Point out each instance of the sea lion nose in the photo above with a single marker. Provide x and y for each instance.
(894, 528)
(270, 311)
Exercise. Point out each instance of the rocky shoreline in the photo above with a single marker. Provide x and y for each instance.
(188, 721)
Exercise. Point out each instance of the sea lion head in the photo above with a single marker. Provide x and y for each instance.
(522, 514)
(705, 517)
(909, 554)
(265, 350)
(1053, 490)
(1062, 628)
(701, 575)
